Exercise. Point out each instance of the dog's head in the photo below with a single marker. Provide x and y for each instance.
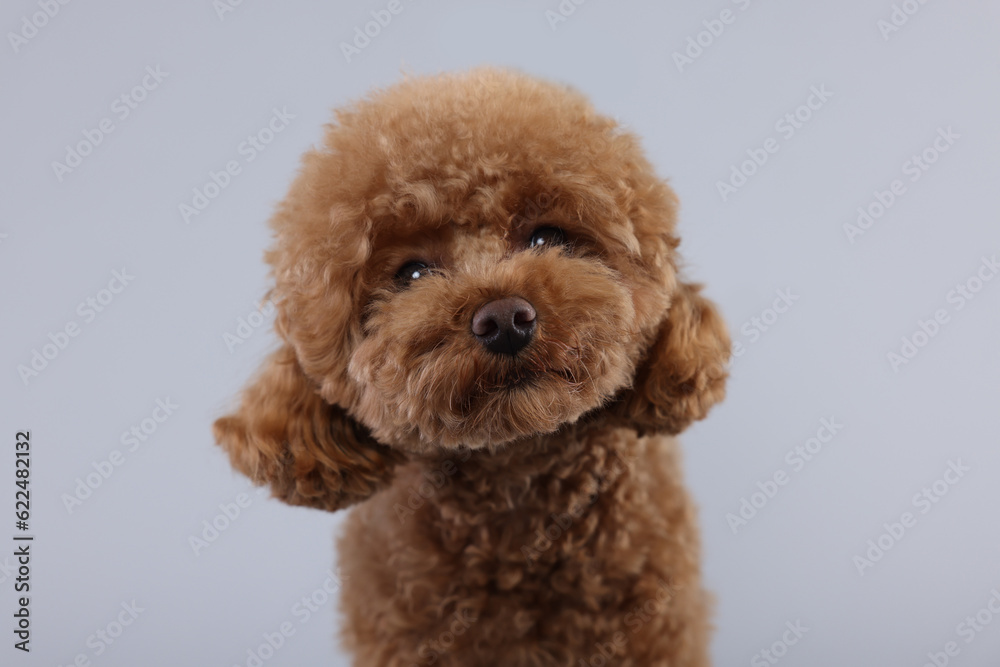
(473, 259)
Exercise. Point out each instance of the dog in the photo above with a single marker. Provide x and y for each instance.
(486, 345)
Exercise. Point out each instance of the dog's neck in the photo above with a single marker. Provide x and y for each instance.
(572, 466)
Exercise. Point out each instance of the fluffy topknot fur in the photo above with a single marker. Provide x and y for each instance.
(521, 510)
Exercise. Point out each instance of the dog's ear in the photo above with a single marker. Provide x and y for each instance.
(684, 371)
(310, 452)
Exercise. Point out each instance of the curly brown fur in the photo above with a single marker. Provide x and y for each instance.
(522, 509)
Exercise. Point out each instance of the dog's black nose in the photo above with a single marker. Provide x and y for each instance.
(504, 326)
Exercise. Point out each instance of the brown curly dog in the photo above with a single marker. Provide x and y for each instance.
(486, 340)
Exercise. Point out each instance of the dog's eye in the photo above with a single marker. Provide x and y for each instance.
(544, 237)
(412, 271)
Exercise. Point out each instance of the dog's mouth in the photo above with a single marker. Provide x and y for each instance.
(519, 381)
(520, 378)
(511, 381)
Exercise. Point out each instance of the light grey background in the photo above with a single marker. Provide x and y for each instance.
(826, 357)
